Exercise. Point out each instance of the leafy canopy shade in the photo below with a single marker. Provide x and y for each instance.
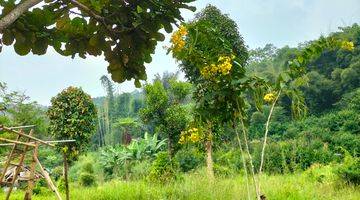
(72, 116)
(125, 32)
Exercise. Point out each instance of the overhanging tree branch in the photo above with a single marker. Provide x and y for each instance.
(16, 13)
(88, 11)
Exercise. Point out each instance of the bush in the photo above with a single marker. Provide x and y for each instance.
(87, 179)
(227, 161)
(57, 172)
(61, 184)
(163, 169)
(189, 159)
(40, 186)
(222, 171)
(86, 163)
(88, 167)
(349, 171)
(140, 170)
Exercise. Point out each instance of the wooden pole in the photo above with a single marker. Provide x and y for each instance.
(17, 142)
(66, 169)
(31, 181)
(24, 135)
(18, 167)
(22, 127)
(8, 160)
(48, 179)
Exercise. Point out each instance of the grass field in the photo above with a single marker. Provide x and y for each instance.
(311, 185)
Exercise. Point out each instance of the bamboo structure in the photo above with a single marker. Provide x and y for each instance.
(20, 146)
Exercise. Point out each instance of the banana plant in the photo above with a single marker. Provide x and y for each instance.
(114, 158)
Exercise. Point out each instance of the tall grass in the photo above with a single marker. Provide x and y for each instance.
(195, 186)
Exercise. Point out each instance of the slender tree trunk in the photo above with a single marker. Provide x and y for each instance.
(66, 179)
(262, 160)
(209, 160)
(252, 168)
(16, 13)
(100, 131)
(266, 132)
(243, 159)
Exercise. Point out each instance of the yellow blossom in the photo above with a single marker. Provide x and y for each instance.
(347, 45)
(270, 97)
(222, 67)
(194, 137)
(177, 39)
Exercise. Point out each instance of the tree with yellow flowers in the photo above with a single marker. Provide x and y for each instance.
(213, 56)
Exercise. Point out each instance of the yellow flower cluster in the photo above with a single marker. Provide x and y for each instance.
(347, 45)
(191, 135)
(270, 97)
(222, 67)
(177, 39)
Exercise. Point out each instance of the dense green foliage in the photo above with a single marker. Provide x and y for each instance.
(164, 109)
(72, 116)
(126, 33)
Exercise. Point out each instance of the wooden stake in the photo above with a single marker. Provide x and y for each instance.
(48, 179)
(8, 160)
(31, 181)
(18, 167)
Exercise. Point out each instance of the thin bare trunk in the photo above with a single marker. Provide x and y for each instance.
(66, 179)
(266, 136)
(209, 160)
(267, 131)
(16, 13)
(243, 160)
(252, 168)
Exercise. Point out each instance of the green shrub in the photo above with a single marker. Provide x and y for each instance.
(222, 171)
(87, 179)
(189, 158)
(227, 161)
(349, 170)
(61, 184)
(163, 169)
(39, 186)
(88, 167)
(57, 172)
(140, 170)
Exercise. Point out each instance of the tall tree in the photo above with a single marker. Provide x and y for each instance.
(72, 115)
(164, 109)
(212, 55)
(109, 105)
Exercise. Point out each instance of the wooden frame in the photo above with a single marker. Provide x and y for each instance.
(31, 143)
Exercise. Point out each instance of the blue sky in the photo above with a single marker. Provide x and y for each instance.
(281, 22)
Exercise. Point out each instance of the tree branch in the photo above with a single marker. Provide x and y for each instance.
(16, 13)
(99, 18)
(88, 11)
